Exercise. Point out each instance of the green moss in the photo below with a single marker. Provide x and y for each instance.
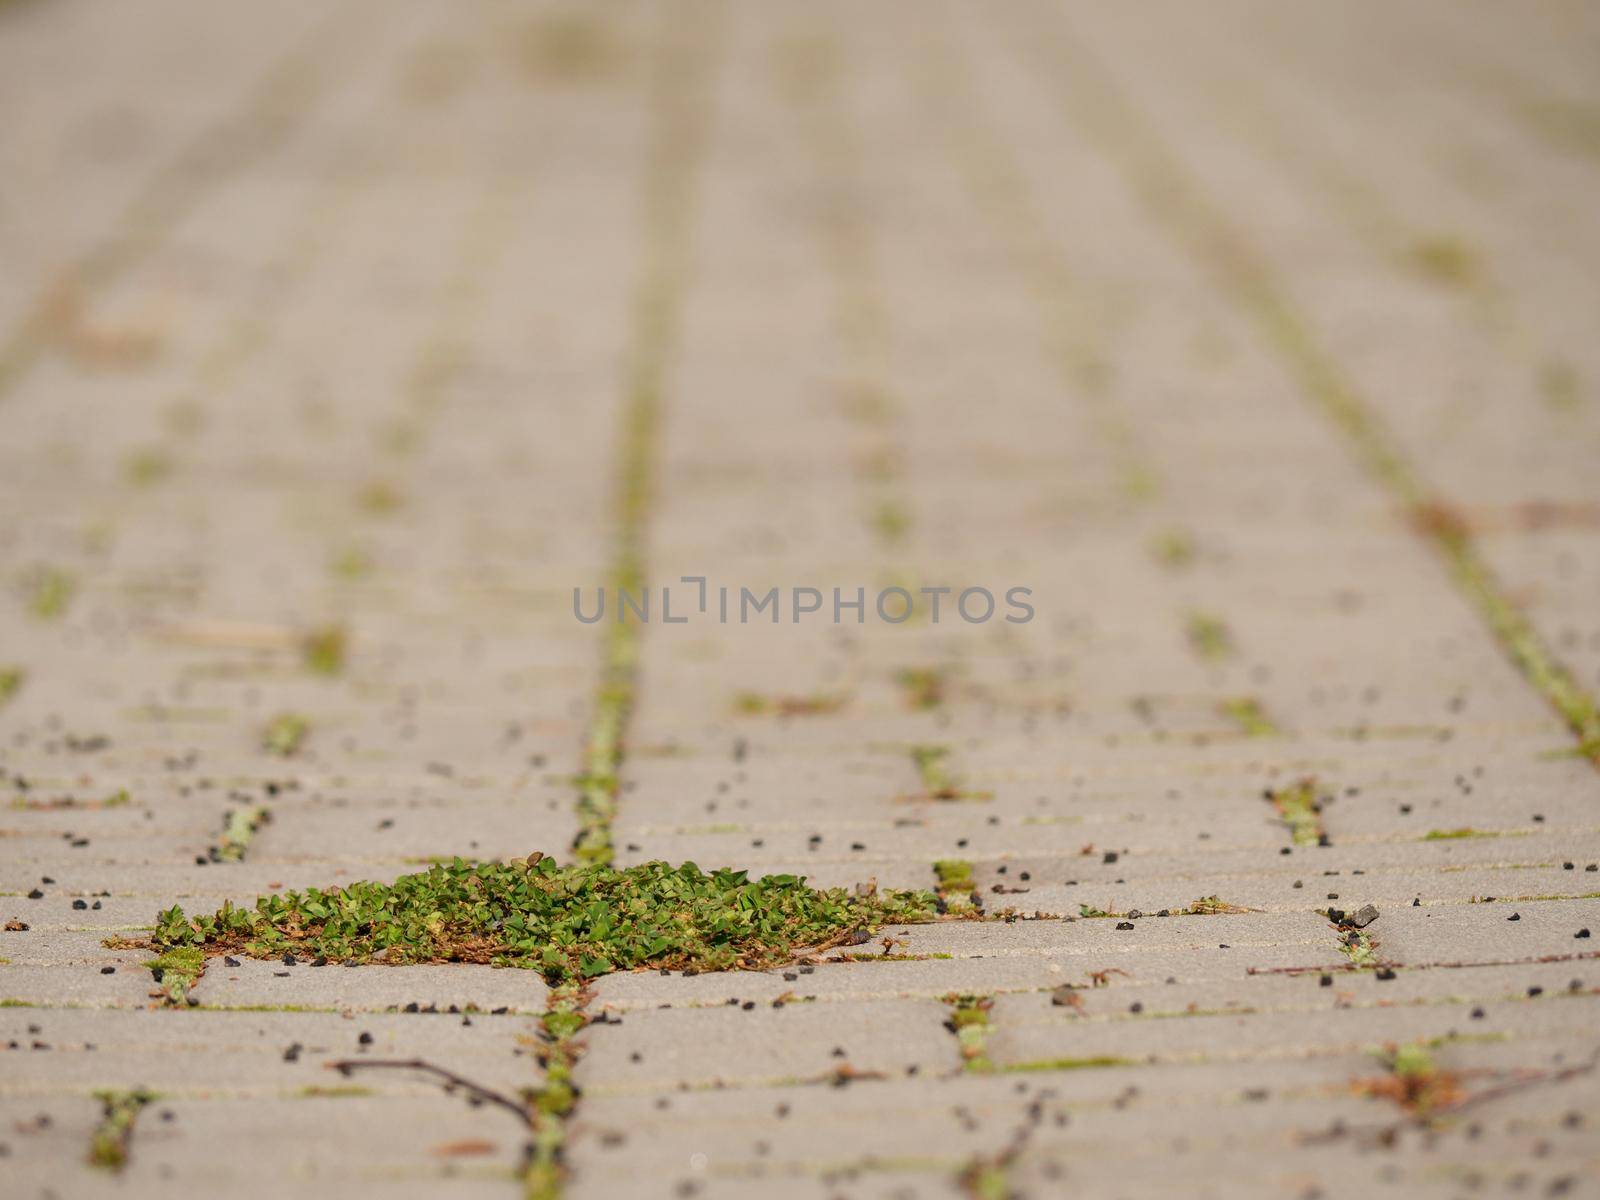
(1173, 548)
(380, 498)
(148, 466)
(11, 680)
(50, 591)
(1209, 636)
(969, 1021)
(1359, 947)
(955, 883)
(1451, 835)
(891, 522)
(937, 781)
(323, 649)
(754, 704)
(285, 734)
(565, 922)
(108, 1146)
(344, 1091)
(922, 687)
(237, 833)
(1448, 261)
(1300, 809)
(1246, 712)
(351, 563)
(1072, 1064)
(176, 969)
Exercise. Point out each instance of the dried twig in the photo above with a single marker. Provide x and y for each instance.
(449, 1080)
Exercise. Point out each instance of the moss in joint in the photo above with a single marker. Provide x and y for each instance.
(1301, 811)
(50, 591)
(175, 970)
(937, 781)
(551, 1104)
(956, 888)
(1247, 713)
(969, 1021)
(323, 649)
(922, 688)
(109, 1144)
(754, 704)
(239, 830)
(1174, 548)
(285, 734)
(1209, 636)
(1090, 1062)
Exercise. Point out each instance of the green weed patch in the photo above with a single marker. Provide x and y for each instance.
(567, 923)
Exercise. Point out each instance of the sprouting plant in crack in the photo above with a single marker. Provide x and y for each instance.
(957, 890)
(891, 522)
(324, 649)
(754, 704)
(1355, 943)
(1211, 906)
(1445, 260)
(938, 783)
(568, 923)
(988, 1176)
(285, 734)
(108, 1146)
(1247, 713)
(1174, 548)
(1209, 636)
(238, 831)
(1414, 1080)
(922, 687)
(563, 1020)
(49, 592)
(969, 1021)
(1301, 810)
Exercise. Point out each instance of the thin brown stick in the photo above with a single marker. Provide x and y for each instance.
(450, 1081)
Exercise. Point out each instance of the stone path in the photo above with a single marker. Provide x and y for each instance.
(339, 343)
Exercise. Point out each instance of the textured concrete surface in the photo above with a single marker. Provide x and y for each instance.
(1257, 339)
